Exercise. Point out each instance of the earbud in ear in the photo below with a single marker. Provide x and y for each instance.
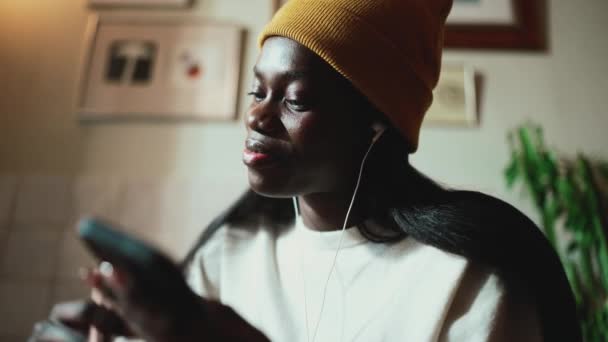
(379, 129)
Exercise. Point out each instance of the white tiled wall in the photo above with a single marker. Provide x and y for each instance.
(3, 243)
(65, 290)
(30, 255)
(40, 254)
(13, 338)
(8, 190)
(98, 196)
(23, 302)
(43, 201)
(71, 256)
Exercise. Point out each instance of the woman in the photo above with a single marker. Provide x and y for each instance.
(340, 238)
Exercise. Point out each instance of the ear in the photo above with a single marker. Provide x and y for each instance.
(379, 128)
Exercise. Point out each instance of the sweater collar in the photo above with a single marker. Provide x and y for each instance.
(327, 239)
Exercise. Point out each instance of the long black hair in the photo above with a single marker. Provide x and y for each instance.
(474, 225)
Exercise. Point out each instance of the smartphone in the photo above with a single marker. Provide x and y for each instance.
(149, 270)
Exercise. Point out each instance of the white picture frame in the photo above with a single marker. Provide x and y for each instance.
(158, 68)
(454, 98)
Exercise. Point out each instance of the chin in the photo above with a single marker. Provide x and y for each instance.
(270, 185)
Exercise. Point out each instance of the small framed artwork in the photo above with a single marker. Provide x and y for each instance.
(140, 3)
(454, 98)
(144, 68)
(497, 24)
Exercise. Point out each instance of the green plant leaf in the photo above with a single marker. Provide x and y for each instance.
(572, 247)
(566, 189)
(602, 167)
(512, 172)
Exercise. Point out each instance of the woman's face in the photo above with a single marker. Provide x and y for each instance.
(307, 127)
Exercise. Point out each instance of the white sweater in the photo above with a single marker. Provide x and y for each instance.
(405, 291)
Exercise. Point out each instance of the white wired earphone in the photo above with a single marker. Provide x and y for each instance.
(379, 129)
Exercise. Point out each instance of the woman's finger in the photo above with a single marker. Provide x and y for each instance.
(115, 279)
(96, 280)
(111, 300)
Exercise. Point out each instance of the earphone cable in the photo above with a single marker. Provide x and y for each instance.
(333, 266)
(297, 212)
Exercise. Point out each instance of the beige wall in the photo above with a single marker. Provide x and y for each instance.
(156, 177)
(40, 42)
(564, 89)
(165, 181)
(39, 67)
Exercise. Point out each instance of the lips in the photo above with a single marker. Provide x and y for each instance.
(260, 153)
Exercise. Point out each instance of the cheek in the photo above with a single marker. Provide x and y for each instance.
(308, 133)
(323, 141)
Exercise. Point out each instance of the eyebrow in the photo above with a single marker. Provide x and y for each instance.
(290, 75)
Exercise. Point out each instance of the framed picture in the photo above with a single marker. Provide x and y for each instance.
(497, 24)
(140, 3)
(158, 68)
(454, 98)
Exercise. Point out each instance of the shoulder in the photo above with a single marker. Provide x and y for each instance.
(487, 229)
(493, 233)
(463, 299)
(487, 210)
(480, 302)
(485, 308)
(474, 225)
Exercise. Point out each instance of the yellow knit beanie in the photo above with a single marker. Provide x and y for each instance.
(390, 50)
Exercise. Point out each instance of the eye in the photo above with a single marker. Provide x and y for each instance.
(296, 105)
(257, 96)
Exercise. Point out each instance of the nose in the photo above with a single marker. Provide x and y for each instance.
(263, 117)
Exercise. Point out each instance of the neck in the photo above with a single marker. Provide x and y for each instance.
(327, 211)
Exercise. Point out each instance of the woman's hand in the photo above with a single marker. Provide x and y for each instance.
(129, 309)
(163, 310)
(175, 315)
(72, 321)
